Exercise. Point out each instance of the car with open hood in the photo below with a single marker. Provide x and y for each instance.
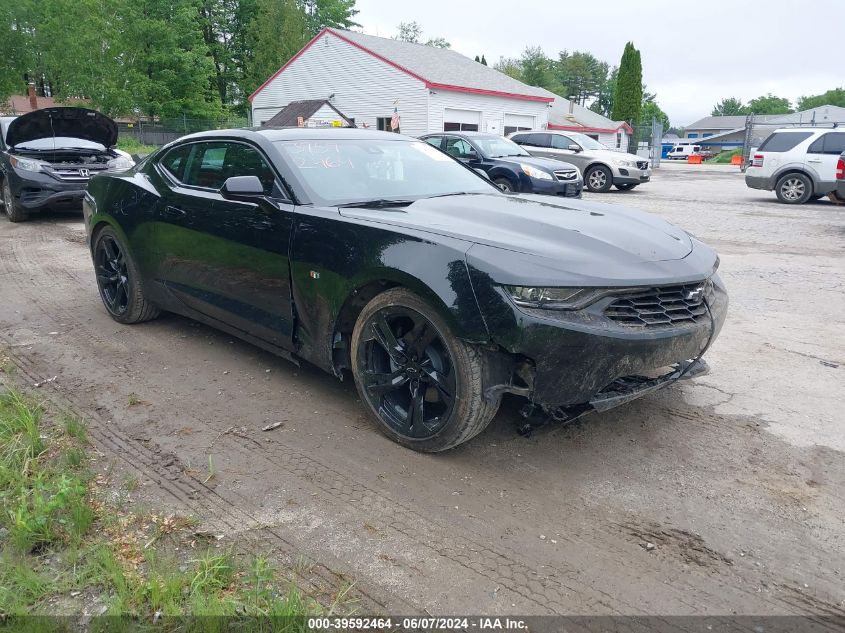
(47, 157)
(376, 256)
(602, 167)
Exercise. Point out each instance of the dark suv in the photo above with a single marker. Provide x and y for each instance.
(508, 165)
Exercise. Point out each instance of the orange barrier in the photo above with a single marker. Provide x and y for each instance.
(736, 160)
(694, 160)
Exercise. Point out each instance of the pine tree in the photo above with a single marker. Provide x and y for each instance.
(483, 60)
(628, 96)
(477, 59)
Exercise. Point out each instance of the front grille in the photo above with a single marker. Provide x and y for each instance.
(661, 307)
(566, 174)
(76, 174)
(642, 164)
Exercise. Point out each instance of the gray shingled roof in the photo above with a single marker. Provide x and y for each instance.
(289, 115)
(440, 65)
(559, 114)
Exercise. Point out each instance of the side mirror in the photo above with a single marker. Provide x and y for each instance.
(575, 148)
(242, 188)
(471, 156)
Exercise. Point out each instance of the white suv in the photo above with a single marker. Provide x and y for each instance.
(799, 164)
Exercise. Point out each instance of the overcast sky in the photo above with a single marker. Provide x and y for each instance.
(694, 52)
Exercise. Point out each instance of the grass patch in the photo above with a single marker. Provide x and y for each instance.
(63, 548)
(725, 157)
(133, 146)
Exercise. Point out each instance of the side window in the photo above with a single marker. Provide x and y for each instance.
(834, 143)
(213, 163)
(561, 142)
(541, 140)
(175, 161)
(206, 166)
(458, 147)
(436, 141)
(243, 160)
(521, 139)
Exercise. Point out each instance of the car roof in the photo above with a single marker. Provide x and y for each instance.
(807, 128)
(300, 133)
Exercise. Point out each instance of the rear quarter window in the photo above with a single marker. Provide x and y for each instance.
(783, 141)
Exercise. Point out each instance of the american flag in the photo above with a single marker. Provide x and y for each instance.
(394, 120)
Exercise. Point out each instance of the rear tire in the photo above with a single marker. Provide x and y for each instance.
(598, 179)
(14, 212)
(119, 280)
(421, 383)
(794, 188)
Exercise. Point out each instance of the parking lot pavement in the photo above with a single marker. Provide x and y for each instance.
(720, 495)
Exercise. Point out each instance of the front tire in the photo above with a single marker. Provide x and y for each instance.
(598, 179)
(421, 383)
(14, 213)
(794, 189)
(505, 185)
(119, 280)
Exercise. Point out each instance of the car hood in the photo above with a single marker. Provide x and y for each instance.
(71, 122)
(609, 154)
(544, 238)
(549, 164)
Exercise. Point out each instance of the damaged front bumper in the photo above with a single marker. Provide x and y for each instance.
(577, 363)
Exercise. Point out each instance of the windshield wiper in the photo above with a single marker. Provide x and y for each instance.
(378, 203)
(456, 193)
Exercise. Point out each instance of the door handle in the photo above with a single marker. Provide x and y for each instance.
(174, 213)
(814, 160)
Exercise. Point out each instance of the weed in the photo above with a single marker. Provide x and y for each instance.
(134, 400)
(75, 428)
(212, 473)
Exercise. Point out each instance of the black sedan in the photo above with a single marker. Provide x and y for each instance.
(508, 165)
(375, 254)
(47, 157)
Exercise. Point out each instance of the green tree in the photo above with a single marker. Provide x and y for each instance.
(483, 59)
(276, 33)
(337, 14)
(412, 32)
(628, 93)
(477, 59)
(769, 104)
(535, 68)
(510, 67)
(729, 107)
(651, 110)
(603, 103)
(579, 76)
(835, 97)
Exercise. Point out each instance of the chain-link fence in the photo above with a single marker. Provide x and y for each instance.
(163, 131)
(646, 141)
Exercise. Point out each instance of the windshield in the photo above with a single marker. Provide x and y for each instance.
(61, 142)
(498, 147)
(585, 141)
(350, 170)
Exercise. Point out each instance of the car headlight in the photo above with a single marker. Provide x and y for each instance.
(121, 162)
(556, 298)
(625, 163)
(27, 164)
(533, 172)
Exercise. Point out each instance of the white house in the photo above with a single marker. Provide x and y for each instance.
(433, 89)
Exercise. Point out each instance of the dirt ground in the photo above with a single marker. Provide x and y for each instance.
(721, 495)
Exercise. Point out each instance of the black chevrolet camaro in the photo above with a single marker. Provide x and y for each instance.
(375, 254)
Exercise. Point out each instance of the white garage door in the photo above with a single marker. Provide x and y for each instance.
(455, 120)
(518, 122)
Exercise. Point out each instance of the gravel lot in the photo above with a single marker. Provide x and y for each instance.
(736, 478)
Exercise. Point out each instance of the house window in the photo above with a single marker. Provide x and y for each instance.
(460, 127)
(383, 124)
(595, 137)
(510, 129)
(618, 140)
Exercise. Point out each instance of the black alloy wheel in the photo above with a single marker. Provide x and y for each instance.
(119, 281)
(112, 275)
(408, 376)
(422, 384)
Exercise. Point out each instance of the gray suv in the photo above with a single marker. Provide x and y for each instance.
(602, 167)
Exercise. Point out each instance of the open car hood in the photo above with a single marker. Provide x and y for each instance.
(70, 122)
